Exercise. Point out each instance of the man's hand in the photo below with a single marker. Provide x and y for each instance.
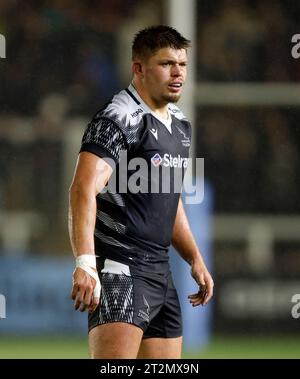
(203, 278)
(82, 291)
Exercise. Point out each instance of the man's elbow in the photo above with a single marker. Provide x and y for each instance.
(75, 188)
(79, 190)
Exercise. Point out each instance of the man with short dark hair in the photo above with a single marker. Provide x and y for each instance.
(138, 315)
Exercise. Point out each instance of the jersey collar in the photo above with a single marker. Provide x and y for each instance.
(167, 122)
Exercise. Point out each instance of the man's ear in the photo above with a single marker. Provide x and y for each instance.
(137, 68)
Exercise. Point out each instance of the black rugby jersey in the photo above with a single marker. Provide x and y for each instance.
(133, 227)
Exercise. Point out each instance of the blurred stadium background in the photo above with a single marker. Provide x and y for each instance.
(64, 59)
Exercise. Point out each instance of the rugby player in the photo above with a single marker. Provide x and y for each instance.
(120, 238)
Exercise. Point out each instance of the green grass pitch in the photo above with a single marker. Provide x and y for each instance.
(219, 347)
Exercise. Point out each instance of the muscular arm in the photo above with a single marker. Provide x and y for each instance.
(184, 243)
(91, 175)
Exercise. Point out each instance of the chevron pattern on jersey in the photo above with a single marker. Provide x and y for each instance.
(104, 132)
(110, 222)
(129, 129)
(116, 299)
(113, 198)
(110, 240)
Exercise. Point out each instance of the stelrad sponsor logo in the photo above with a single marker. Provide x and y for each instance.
(156, 160)
(169, 161)
(156, 179)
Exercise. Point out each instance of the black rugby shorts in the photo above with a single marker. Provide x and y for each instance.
(147, 300)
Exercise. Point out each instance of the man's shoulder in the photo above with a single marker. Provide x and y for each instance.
(123, 110)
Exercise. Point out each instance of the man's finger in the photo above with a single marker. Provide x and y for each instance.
(88, 295)
(209, 293)
(83, 307)
(94, 304)
(201, 292)
(193, 295)
(198, 298)
(74, 291)
(198, 302)
(79, 298)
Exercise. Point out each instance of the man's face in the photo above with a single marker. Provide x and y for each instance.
(164, 75)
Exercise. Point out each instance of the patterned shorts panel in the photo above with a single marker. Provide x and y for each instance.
(146, 300)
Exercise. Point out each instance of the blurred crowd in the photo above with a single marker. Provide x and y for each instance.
(247, 40)
(66, 58)
(74, 48)
(251, 154)
(82, 49)
(251, 158)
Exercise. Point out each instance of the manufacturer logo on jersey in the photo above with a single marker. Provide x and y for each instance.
(154, 132)
(156, 160)
(136, 113)
(185, 139)
(169, 161)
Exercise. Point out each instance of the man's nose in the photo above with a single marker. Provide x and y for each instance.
(176, 70)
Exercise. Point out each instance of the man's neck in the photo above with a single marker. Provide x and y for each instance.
(161, 111)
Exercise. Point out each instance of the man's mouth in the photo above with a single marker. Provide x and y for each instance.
(175, 85)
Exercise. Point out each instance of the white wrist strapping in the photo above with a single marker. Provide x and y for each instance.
(87, 262)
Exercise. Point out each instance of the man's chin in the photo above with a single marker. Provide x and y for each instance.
(172, 98)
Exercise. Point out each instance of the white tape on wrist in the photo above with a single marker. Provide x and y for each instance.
(87, 262)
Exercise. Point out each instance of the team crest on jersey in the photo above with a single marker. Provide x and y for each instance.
(185, 139)
(156, 160)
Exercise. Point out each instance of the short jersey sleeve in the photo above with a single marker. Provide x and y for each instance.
(104, 138)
